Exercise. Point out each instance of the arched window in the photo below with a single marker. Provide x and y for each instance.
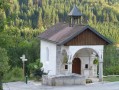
(65, 59)
(47, 54)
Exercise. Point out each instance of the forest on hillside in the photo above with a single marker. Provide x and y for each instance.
(21, 21)
(37, 15)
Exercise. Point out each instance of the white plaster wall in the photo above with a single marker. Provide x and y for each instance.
(48, 66)
(88, 72)
(84, 71)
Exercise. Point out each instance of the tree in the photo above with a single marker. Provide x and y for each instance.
(3, 53)
(40, 21)
(3, 64)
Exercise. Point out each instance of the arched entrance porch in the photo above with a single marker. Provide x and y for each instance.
(82, 62)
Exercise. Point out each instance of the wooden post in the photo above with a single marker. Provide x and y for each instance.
(24, 71)
(23, 68)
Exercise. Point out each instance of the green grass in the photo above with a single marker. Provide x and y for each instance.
(16, 74)
(111, 78)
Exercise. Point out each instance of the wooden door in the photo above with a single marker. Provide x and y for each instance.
(76, 66)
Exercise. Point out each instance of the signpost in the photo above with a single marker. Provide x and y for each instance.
(24, 70)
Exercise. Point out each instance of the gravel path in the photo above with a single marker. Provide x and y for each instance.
(37, 86)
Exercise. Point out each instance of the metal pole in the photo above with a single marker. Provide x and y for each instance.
(26, 79)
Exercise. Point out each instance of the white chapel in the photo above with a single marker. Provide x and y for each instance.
(68, 48)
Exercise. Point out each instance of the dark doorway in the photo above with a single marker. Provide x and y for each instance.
(76, 67)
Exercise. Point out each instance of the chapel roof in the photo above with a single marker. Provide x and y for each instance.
(61, 33)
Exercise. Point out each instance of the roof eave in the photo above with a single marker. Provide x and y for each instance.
(48, 40)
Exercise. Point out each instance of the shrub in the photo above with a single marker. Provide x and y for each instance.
(34, 66)
(112, 70)
(16, 74)
(35, 69)
(38, 74)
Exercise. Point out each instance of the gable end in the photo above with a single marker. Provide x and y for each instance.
(88, 36)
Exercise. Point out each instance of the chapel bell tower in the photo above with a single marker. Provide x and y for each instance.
(75, 16)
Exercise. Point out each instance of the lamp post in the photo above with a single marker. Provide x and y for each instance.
(24, 70)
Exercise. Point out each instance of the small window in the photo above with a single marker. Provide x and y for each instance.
(66, 66)
(47, 54)
(86, 65)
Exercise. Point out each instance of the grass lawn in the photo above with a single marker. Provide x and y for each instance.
(111, 78)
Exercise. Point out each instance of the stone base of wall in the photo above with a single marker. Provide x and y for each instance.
(62, 80)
